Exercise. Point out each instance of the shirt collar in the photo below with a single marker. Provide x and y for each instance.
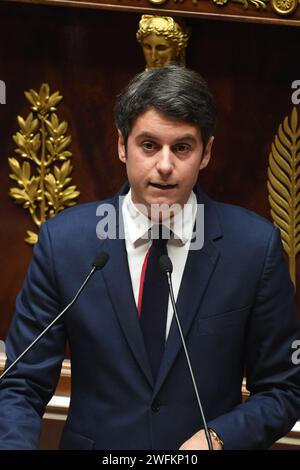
(137, 225)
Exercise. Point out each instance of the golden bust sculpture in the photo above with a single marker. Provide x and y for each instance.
(163, 40)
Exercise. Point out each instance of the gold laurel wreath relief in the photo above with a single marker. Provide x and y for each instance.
(42, 169)
(284, 186)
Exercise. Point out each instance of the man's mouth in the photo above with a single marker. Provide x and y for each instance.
(163, 186)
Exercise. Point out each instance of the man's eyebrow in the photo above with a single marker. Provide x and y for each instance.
(184, 137)
(146, 135)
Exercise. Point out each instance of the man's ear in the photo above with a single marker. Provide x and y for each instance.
(207, 153)
(121, 147)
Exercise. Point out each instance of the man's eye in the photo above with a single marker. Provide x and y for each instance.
(182, 148)
(148, 146)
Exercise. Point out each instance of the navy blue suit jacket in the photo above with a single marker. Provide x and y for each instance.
(236, 304)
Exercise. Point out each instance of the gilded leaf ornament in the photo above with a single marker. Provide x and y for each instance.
(259, 4)
(42, 166)
(281, 7)
(284, 186)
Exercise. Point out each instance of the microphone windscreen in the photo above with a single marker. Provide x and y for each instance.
(165, 264)
(100, 260)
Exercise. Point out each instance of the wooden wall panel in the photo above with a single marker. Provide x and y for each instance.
(257, 11)
(89, 55)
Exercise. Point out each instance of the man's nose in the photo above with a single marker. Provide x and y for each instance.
(165, 162)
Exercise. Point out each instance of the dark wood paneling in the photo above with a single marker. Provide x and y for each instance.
(86, 55)
(89, 55)
(230, 10)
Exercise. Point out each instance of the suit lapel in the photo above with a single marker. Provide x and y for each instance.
(197, 273)
(117, 278)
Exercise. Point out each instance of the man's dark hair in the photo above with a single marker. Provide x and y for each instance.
(174, 91)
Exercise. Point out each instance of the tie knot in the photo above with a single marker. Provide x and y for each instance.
(160, 235)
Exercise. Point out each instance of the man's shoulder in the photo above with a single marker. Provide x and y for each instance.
(74, 229)
(86, 214)
(232, 217)
(242, 221)
(81, 214)
(235, 212)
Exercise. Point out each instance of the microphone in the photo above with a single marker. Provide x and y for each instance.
(167, 269)
(99, 262)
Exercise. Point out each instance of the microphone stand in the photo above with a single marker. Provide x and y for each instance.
(207, 434)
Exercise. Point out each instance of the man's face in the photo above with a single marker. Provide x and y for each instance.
(163, 158)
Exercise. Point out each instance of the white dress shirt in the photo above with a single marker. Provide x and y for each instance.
(136, 229)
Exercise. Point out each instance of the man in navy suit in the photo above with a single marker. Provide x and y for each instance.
(234, 297)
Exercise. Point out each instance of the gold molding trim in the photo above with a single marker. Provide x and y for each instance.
(284, 7)
(281, 7)
(245, 3)
(157, 2)
(259, 4)
(256, 15)
(43, 172)
(284, 186)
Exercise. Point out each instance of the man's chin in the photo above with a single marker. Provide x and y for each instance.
(163, 210)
